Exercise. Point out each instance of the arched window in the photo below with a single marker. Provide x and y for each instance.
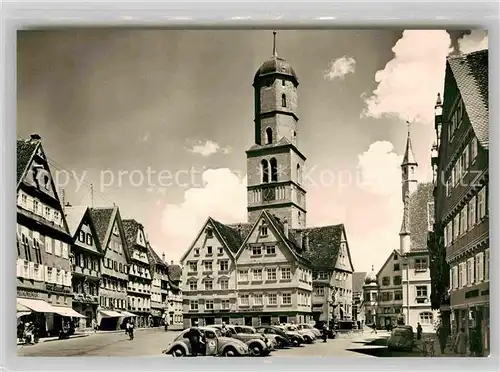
(265, 171)
(269, 136)
(299, 174)
(274, 170)
(283, 100)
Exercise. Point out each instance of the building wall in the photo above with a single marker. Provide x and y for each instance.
(198, 299)
(390, 295)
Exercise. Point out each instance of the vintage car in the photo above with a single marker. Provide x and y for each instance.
(296, 338)
(310, 327)
(216, 344)
(280, 337)
(258, 344)
(401, 338)
(308, 335)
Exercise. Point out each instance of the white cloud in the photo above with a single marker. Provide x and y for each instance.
(224, 197)
(408, 85)
(380, 169)
(476, 40)
(208, 148)
(340, 67)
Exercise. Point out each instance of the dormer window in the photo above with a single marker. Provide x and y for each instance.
(210, 233)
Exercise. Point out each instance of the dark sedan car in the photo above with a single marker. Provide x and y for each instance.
(282, 340)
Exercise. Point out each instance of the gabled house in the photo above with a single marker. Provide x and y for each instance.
(328, 252)
(86, 256)
(159, 287)
(274, 279)
(175, 295)
(114, 267)
(43, 241)
(460, 246)
(208, 274)
(140, 278)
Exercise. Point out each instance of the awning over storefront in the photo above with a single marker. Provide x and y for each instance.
(22, 313)
(39, 306)
(67, 311)
(127, 314)
(110, 314)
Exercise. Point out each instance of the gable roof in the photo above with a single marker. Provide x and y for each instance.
(154, 258)
(471, 75)
(232, 236)
(103, 219)
(74, 217)
(324, 245)
(418, 216)
(25, 151)
(358, 280)
(131, 228)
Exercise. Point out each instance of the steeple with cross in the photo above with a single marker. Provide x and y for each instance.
(408, 168)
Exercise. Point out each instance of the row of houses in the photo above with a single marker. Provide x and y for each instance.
(84, 263)
(272, 268)
(460, 246)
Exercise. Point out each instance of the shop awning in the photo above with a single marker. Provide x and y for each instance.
(22, 313)
(22, 308)
(67, 311)
(127, 314)
(39, 306)
(110, 314)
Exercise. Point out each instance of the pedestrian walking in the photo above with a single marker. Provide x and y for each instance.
(460, 346)
(94, 325)
(374, 328)
(325, 333)
(419, 331)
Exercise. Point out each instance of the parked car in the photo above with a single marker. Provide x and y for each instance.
(258, 344)
(308, 335)
(311, 328)
(402, 338)
(281, 338)
(296, 338)
(216, 344)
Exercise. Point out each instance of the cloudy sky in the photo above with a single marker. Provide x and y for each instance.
(158, 121)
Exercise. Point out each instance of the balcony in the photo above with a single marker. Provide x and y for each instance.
(86, 298)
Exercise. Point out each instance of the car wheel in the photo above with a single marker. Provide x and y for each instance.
(279, 344)
(230, 352)
(308, 340)
(178, 352)
(296, 342)
(256, 349)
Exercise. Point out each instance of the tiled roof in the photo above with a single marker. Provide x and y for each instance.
(101, 218)
(74, 216)
(419, 212)
(230, 234)
(358, 280)
(471, 75)
(154, 258)
(174, 272)
(131, 227)
(25, 150)
(324, 244)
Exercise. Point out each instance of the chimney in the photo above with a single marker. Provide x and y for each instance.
(171, 262)
(285, 228)
(35, 137)
(163, 256)
(239, 228)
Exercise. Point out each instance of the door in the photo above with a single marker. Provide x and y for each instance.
(265, 320)
(212, 343)
(209, 320)
(225, 319)
(283, 319)
(248, 320)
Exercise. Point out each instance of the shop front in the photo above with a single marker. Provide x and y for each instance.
(471, 311)
(156, 317)
(86, 305)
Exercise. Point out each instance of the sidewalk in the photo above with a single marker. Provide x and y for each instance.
(86, 333)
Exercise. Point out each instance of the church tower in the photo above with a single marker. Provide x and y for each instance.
(274, 163)
(409, 184)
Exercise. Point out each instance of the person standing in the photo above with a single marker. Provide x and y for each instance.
(195, 338)
(460, 346)
(419, 331)
(325, 332)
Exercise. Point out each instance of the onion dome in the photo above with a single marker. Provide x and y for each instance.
(276, 65)
(371, 277)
